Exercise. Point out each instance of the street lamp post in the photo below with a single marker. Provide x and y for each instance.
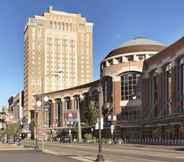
(38, 108)
(79, 120)
(112, 119)
(100, 157)
(70, 123)
(38, 105)
(92, 129)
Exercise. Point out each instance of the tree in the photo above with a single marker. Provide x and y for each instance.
(32, 126)
(4, 109)
(91, 115)
(12, 129)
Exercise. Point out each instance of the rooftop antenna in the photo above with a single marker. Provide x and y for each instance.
(50, 8)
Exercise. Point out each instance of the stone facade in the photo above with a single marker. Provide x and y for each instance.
(163, 94)
(63, 106)
(151, 112)
(57, 54)
(127, 62)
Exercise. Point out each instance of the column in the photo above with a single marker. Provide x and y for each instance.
(75, 102)
(178, 87)
(72, 100)
(58, 112)
(53, 118)
(79, 118)
(116, 94)
(162, 92)
(164, 88)
(50, 114)
(145, 95)
(174, 86)
(62, 112)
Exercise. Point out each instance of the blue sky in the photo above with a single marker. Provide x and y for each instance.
(115, 21)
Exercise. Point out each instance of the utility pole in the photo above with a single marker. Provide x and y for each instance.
(79, 122)
(100, 157)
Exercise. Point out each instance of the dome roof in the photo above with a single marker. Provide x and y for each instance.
(138, 44)
(141, 41)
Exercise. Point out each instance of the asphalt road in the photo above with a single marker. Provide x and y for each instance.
(117, 153)
(31, 156)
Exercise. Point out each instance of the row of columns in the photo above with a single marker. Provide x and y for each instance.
(162, 90)
(124, 59)
(57, 107)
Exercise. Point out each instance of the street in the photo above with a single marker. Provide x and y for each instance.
(120, 153)
(54, 152)
(31, 156)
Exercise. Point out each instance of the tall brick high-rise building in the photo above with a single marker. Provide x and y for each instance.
(57, 54)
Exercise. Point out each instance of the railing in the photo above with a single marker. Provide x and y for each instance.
(28, 143)
(149, 141)
(156, 141)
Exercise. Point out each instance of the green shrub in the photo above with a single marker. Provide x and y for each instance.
(88, 136)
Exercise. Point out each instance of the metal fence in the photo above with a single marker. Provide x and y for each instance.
(156, 141)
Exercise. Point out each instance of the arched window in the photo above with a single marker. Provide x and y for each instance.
(71, 27)
(182, 74)
(63, 26)
(51, 24)
(55, 25)
(129, 82)
(181, 84)
(67, 103)
(66, 26)
(168, 70)
(59, 26)
(107, 89)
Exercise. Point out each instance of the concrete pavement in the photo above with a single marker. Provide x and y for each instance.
(4, 147)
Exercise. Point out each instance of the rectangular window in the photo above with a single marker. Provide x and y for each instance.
(130, 58)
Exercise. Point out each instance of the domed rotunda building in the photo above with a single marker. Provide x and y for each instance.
(123, 67)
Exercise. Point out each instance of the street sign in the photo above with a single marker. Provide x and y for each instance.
(112, 129)
(97, 124)
(41, 133)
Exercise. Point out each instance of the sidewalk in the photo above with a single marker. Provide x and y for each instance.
(160, 147)
(11, 147)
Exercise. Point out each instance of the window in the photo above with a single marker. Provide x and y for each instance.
(155, 79)
(67, 103)
(182, 75)
(58, 112)
(129, 82)
(130, 57)
(110, 61)
(141, 57)
(169, 86)
(119, 59)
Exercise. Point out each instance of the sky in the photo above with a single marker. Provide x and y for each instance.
(115, 22)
